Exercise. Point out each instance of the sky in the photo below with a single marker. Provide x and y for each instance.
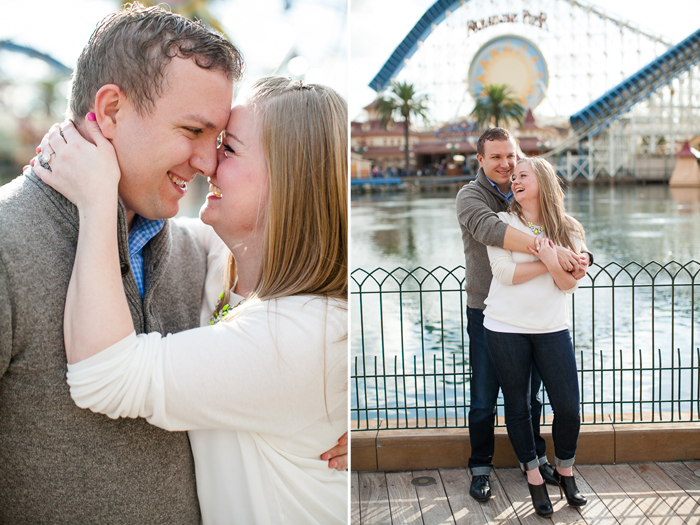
(378, 26)
(316, 29)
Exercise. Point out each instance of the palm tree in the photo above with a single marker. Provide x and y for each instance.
(402, 102)
(495, 104)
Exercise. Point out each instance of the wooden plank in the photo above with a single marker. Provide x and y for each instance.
(645, 498)
(465, 509)
(374, 500)
(403, 498)
(684, 478)
(595, 512)
(611, 494)
(498, 509)
(515, 486)
(674, 496)
(693, 466)
(433, 500)
(354, 498)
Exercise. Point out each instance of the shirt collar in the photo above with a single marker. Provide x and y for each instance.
(142, 232)
(508, 197)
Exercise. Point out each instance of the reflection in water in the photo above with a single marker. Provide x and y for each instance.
(623, 224)
(627, 346)
(685, 196)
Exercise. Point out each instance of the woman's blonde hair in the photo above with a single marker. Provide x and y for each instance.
(305, 242)
(558, 226)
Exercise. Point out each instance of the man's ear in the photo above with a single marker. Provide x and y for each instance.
(478, 157)
(109, 101)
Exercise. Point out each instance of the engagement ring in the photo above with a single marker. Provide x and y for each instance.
(44, 159)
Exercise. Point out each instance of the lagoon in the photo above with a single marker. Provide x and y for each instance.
(636, 313)
(623, 224)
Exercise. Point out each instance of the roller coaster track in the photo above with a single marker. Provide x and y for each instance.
(600, 113)
(58, 66)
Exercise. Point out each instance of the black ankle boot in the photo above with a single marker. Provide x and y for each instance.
(546, 471)
(567, 486)
(540, 499)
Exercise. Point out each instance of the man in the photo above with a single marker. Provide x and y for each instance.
(161, 88)
(477, 205)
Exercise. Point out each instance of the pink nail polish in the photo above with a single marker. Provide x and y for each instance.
(91, 117)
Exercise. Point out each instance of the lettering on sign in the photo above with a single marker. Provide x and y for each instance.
(509, 18)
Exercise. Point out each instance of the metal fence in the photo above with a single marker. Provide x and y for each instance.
(634, 327)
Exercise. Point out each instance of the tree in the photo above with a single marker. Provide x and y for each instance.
(402, 103)
(49, 93)
(495, 104)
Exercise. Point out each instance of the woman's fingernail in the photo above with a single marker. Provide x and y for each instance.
(91, 117)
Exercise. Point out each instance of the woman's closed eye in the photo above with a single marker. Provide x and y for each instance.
(227, 149)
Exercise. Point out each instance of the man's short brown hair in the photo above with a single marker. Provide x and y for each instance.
(492, 134)
(132, 47)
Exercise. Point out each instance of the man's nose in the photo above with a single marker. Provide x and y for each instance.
(204, 159)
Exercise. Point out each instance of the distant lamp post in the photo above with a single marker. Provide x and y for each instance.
(452, 148)
(452, 157)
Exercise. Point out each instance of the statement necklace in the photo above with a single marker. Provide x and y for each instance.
(535, 229)
(218, 316)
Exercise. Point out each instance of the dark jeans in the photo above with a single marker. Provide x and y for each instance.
(484, 393)
(552, 354)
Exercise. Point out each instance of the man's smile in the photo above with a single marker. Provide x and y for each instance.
(178, 181)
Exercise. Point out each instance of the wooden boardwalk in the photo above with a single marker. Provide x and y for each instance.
(628, 493)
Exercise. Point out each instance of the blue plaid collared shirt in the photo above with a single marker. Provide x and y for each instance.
(143, 231)
(508, 197)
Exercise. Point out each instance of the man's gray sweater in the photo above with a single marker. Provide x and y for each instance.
(59, 463)
(477, 205)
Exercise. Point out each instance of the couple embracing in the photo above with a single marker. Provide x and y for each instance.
(524, 255)
(89, 257)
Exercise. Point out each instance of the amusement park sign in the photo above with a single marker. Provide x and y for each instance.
(526, 18)
(458, 131)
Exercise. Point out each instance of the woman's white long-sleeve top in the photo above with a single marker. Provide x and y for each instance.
(536, 305)
(262, 397)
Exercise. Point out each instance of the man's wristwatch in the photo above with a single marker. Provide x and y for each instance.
(590, 257)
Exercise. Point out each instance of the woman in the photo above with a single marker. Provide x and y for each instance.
(526, 321)
(262, 392)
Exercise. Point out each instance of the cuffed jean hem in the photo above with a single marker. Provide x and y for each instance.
(542, 460)
(564, 463)
(481, 471)
(531, 465)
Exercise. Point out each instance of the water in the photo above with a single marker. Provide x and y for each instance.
(423, 333)
(623, 224)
